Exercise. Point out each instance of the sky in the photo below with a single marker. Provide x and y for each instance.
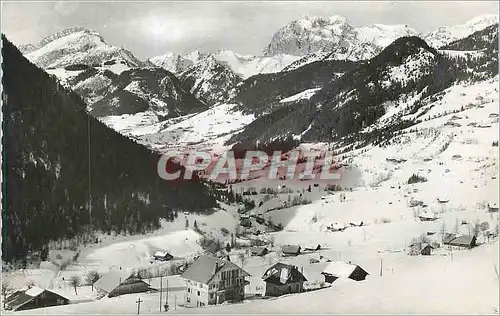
(154, 28)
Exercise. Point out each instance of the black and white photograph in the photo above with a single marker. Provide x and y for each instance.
(250, 157)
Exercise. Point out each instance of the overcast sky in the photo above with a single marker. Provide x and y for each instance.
(153, 28)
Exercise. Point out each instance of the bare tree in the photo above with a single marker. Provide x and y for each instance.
(442, 231)
(75, 281)
(91, 277)
(242, 258)
(6, 289)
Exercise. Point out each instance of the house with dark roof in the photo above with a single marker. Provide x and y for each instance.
(162, 256)
(462, 241)
(282, 279)
(210, 280)
(116, 283)
(33, 297)
(259, 251)
(339, 269)
(291, 250)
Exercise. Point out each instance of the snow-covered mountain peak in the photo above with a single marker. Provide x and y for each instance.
(77, 46)
(194, 56)
(172, 62)
(382, 35)
(319, 21)
(447, 34)
(334, 34)
(483, 21)
(301, 37)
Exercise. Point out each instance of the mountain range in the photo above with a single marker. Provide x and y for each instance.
(312, 82)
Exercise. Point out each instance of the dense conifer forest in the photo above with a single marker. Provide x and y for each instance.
(64, 172)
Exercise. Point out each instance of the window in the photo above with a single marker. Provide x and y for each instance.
(198, 293)
(188, 299)
(211, 295)
(189, 290)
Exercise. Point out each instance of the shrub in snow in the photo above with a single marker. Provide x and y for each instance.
(415, 178)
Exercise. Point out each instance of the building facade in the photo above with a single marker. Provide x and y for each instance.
(211, 281)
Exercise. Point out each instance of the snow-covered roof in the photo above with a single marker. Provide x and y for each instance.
(109, 281)
(339, 269)
(34, 291)
(161, 254)
(205, 267)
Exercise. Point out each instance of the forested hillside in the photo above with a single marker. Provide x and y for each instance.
(65, 172)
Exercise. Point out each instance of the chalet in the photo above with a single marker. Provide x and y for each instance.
(421, 248)
(338, 269)
(463, 241)
(443, 200)
(162, 256)
(426, 216)
(282, 279)
(210, 281)
(493, 208)
(318, 247)
(426, 249)
(291, 250)
(356, 223)
(259, 251)
(415, 203)
(116, 283)
(34, 297)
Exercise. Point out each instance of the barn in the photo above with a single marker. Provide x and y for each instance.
(116, 283)
(462, 241)
(338, 269)
(259, 251)
(33, 297)
(290, 250)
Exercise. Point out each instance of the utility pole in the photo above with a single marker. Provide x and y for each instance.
(166, 301)
(90, 182)
(302, 272)
(175, 302)
(380, 266)
(161, 287)
(138, 305)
